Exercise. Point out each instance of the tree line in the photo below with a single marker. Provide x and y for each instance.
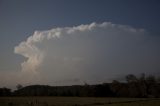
(141, 87)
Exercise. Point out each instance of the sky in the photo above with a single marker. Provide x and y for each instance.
(65, 42)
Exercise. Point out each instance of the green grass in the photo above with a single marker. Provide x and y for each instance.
(76, 101)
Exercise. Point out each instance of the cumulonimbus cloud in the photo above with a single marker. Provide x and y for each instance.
(91, 52)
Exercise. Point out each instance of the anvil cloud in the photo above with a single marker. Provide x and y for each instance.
(92, 53)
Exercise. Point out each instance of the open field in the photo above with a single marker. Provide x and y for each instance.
(76, 101)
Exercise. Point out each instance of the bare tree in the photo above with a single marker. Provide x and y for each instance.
(131, 78)
(19, 86)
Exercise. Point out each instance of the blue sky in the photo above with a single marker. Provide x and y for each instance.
(20, 18)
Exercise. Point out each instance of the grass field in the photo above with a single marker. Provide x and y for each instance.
(76, 101)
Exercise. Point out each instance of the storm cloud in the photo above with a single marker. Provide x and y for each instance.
(91, 53)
